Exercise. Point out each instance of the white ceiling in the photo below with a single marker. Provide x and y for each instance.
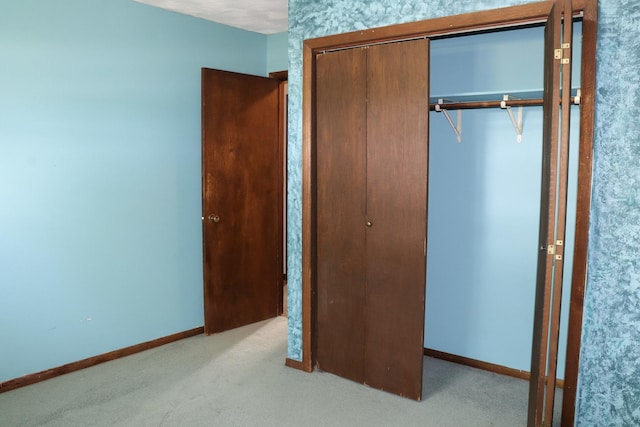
(261, 16)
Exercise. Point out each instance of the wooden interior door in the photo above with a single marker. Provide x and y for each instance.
(241, 199)
(557, 67)
(372, 133)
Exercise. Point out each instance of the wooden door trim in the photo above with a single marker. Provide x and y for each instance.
(309, 234)
(449, 25)
(282, 77)
(583, 207)
(513, 16)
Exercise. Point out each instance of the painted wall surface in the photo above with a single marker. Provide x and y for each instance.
(277, 52)
(100, 222)
(609, 382)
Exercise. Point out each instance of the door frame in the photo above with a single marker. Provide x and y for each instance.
(515, 16)
(283, 80)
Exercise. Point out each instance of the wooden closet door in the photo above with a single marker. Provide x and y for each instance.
(397, 160)
(341, 174)
(552, 214)
(371, 140)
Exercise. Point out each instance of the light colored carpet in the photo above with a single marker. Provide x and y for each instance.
(238, 378)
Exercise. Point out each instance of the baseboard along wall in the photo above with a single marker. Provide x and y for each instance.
(137, 348)
(95, 360)
(486, 366)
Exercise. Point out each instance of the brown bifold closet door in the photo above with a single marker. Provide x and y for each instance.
(371, 142)
(341, 179)
(557, 66)
(397, 137)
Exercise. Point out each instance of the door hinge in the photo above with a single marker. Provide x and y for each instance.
(566, 57)
(559, 256)
(558, 53)
(551, 249)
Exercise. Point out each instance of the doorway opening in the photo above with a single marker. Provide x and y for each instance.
(484, 202)
(243, 187)
(283, 117)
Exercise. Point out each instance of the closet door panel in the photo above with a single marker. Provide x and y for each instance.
(341, 176)
(397, 136)
(545, 271)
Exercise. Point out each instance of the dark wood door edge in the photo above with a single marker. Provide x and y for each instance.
(95, 360)
(295, 364)
(485, 366)
(583, 210)
(283, 76)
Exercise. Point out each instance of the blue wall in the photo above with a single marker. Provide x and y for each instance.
(100, 222)
(277, 52)
(609, 381)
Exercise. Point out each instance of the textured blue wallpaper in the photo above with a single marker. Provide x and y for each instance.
(609, 383)
(609, 387)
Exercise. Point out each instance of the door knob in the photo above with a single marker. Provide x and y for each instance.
(214, 218)
(369, 224)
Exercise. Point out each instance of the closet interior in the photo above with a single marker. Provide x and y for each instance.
(484, 196)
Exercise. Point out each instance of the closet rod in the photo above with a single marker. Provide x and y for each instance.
(469, 105)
